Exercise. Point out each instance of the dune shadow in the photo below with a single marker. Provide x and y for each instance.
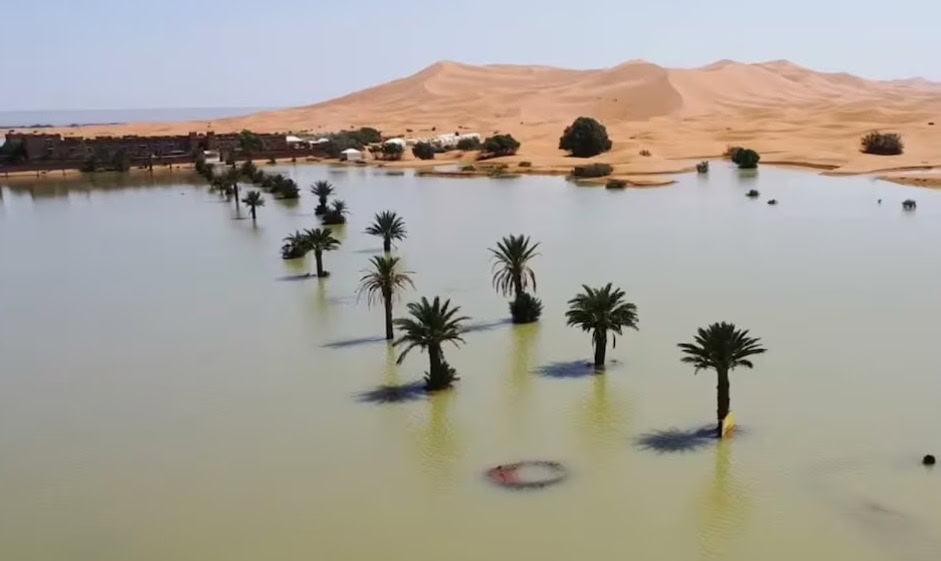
(487, 325)
(412, 391)
(676, 440)
(292, 278)
(344, 343)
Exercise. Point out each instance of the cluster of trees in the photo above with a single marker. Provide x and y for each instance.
(883, 144)
(499, 145)
(13, 151)
(330, 213)
(358, 139)
(228, 183)
(429, 325)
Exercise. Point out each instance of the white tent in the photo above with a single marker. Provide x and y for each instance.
(291, 139)
(351, 155)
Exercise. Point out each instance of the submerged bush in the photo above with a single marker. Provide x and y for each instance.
(424, 151)
(752, 193)
(702, 167)
(909, 204)
(746, 158)
(616, 184)
(883, 144)
(525, 308)
(584, 138)
(592, 170)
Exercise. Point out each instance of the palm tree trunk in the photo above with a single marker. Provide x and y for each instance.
(722, 398)
(236, 187)
(601, 347)
(436, 379)
(387, 300)
(253, 213)
(517, 285)
(318, 257)
(387, 244)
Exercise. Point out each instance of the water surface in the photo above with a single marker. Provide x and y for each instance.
(171, 389)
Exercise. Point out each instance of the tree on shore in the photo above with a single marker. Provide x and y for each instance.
(584, 138)
(424, 151)
(746, 158)
(384, 281)
(721, 347)
(500, 145)
(600, 310)
(253, 200)
(389, 226)
(430, 326)
(320, 240)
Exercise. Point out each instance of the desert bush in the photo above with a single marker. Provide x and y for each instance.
(746, 158)
(468, 144)
(500, 145)
(526, 164)
(883, 144)
(645, 153)
(731, 151)
(702, 167)
(592, 170)
(424, 151)
(584, 138)
(468, 168)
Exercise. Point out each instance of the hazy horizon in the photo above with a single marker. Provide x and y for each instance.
(104, 54)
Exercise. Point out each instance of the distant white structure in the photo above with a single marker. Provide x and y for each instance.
(294, 140)
(451, 140)
(351, 155)
(212, 156)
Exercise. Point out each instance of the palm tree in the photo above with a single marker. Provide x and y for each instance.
(336, 214)
(322, 190)
(231, 179)
(253, 199)
(431, 325)
(383, 281)
(390, 226)
(512, 274)
(295, 246)
(600, 310)
(721, 347)
(320, 240)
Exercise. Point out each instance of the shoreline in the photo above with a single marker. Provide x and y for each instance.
(509, 167)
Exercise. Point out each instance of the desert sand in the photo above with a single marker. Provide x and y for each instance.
(790, 114)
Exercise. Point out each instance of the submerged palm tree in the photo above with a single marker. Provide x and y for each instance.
(390, 226)
(721, 347)
(600, 310)
(511, 271)
(336, 213)
(432, 324)
(322, 190)
(320, 240)
(383, 282)
(231, 180)
(295, 246)
(253, 200)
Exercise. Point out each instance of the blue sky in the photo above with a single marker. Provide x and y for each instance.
(103, 54)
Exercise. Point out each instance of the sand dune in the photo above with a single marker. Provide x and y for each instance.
(786, 112)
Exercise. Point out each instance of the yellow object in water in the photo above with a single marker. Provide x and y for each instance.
(728, 425)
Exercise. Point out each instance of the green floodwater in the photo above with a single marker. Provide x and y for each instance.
(167, 391)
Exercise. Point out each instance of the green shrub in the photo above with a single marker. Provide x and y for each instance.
(424, 151)
(468, 168)
(468, 144)
(746, 158)
(883, 144)
(731, 151)
(584, 138)
(500, 145)
(526, 164)
(592, 170)
(616, 184)
(525, 308)
(392, 151)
